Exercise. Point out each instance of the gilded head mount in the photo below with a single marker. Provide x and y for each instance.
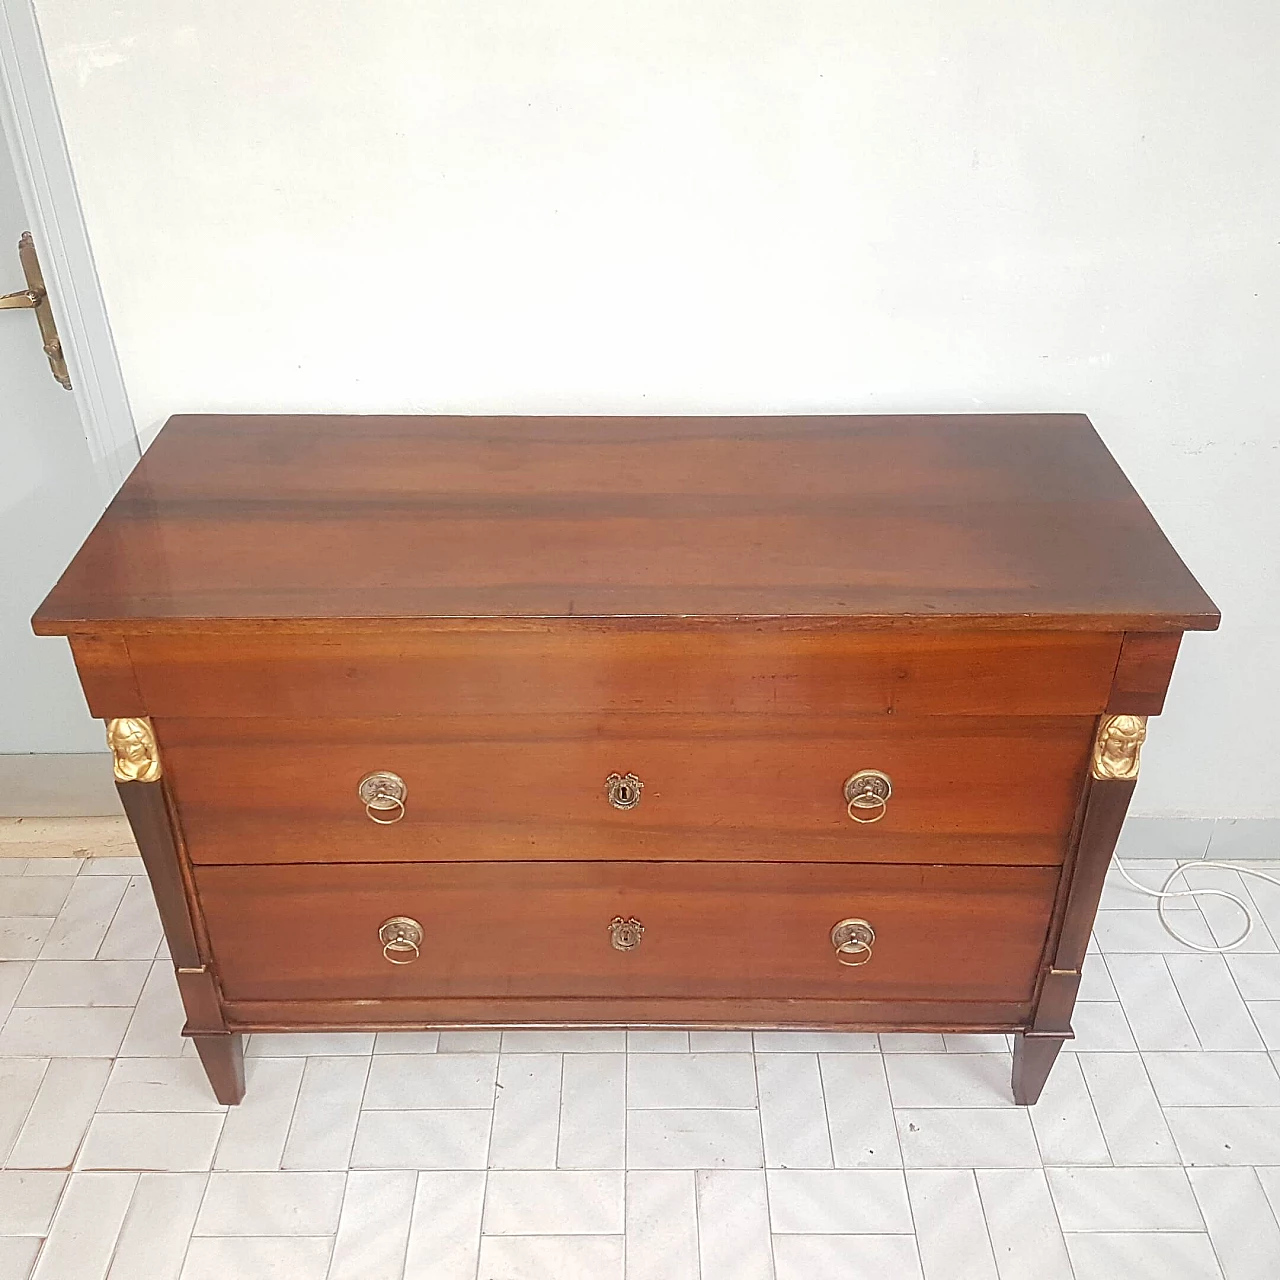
(1117, 748)
(133, 749)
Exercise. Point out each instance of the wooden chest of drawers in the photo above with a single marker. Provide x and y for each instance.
(811, 722)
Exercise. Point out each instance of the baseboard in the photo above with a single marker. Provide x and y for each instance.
(1223, 839)
(48, 786)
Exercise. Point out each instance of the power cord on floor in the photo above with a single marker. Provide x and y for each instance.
(1163, 894)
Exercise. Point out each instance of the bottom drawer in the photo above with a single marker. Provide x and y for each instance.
(710, 930)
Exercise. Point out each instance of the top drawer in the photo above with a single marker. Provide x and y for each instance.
(594, 672)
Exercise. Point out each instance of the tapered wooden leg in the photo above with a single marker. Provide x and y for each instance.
(1033, 1059)
(223, 1058)
(221, 1051)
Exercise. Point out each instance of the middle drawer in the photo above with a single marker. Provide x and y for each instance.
(965, 789)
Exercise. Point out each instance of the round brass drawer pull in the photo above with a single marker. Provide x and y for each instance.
(868, 792)
(853, 940)
(399, 936)
(383, 793)
(625, 935)
(623, 790)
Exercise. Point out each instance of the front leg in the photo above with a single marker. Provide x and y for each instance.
(223, 1059)
(1033, 1059)
(139, 781)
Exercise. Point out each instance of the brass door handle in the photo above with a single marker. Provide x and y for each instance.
(868, 792)
(399, 936)
(35, 297)
(383, 793)
(853, 940)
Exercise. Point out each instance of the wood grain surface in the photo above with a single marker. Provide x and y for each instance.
(966, 788)
(992, 520)
(710, 1013)
(711, 931)
(742, 611)
(613, 671)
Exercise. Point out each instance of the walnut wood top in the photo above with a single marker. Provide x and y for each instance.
(1011, 521)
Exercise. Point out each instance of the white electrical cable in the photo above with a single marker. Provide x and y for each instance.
(1164, 893)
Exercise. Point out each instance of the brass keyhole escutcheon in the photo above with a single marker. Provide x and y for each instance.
(383, 796)
(867, 795)
(623, 790)
(853, 940)
(625, 935)
(401, 939)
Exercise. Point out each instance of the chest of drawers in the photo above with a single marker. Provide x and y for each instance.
(702, 722)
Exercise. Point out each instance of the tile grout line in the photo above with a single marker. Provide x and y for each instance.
(1142, 1062)
(191, 1235)
(1259, 916)
(484, 1201)
(1093, 1106)
(493, 1104)
(697, 1220)
(26, 1113)
(364, 1093)
(128, 880)
(1124, 1013)
(408, 1233)
(697, 1212)
(342, 1204)
(97, 1102)
(1213, 1244)
(1182, 1004)
(826, 1114)
(1248, 1007)
(626, 1111)
(1052, 1205)
(764, 1158)
(293, 1113)
(906, 1186)
(115, 1244)
(484, 1193)
(560, 1115)
(893, 1115)
(1266, 1199)
(62, 1195)
(986, 1225)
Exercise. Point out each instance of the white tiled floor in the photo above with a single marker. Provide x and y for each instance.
(651, 1155)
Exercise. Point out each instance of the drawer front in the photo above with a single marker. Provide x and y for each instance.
(606, 671)
(964, 789)
(536, 930)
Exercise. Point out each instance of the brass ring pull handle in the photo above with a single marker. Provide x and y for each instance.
(394, 804)
(383, 793)
(853, 940)
(623, 790)
(399, 936)
(625, 935)
(867, 793)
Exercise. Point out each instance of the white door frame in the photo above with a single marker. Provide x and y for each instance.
(61, 785)
(29, 115)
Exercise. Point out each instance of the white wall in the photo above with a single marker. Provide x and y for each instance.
(754, 205)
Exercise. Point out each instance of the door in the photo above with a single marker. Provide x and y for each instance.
(51, 493)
